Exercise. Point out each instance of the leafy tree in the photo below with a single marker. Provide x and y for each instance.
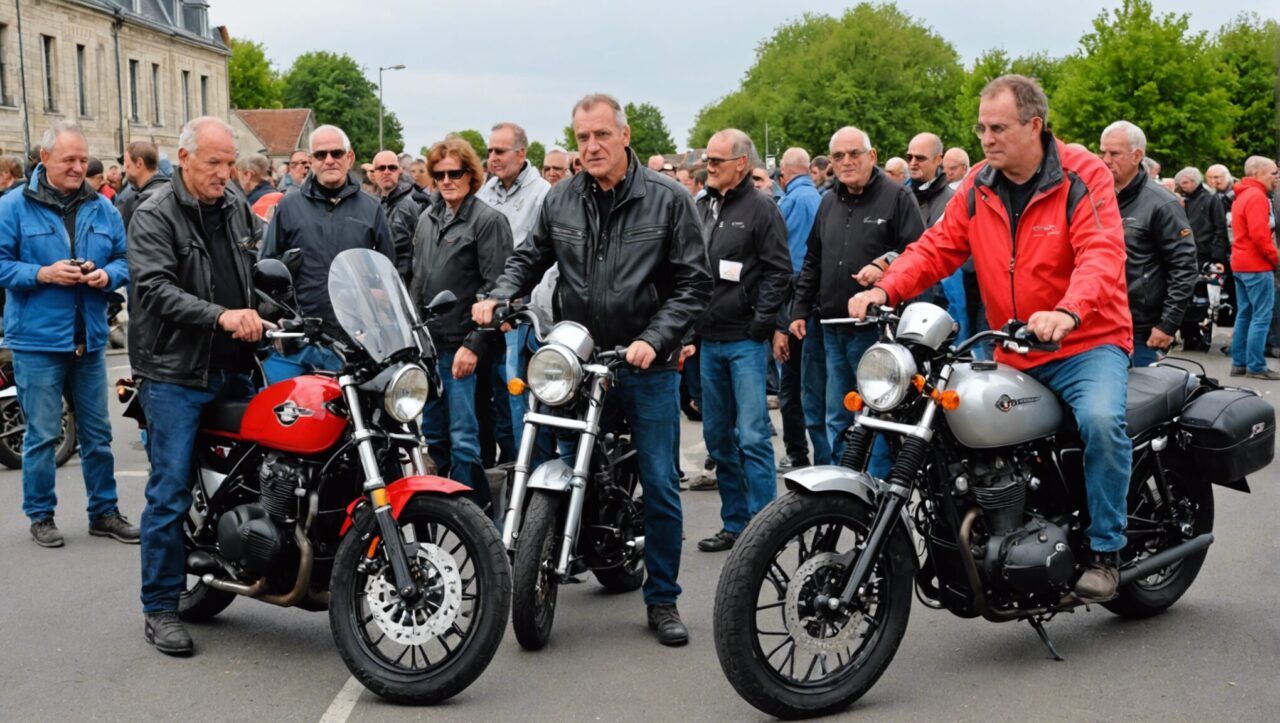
(537, 152)
(1247, 47)
(1153, 72)
(570, 140)
(335, 88)
(476, 140)
(989, 66)
(254, 82)
(649, 133)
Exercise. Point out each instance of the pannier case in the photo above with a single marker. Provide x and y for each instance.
(1230, 433)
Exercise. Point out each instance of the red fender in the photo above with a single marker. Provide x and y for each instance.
(402, 490)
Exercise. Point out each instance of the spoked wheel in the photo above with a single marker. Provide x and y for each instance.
(430, 649)
(1155, 524)
(535, 586)
(627, 516)
(13, 428)
(783, 653)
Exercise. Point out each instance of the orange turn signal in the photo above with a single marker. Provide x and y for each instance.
(948, 400)
(516, 387)
(918, 382)
(853, 402)
(379, 497)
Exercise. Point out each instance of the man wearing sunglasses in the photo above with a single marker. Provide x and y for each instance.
(555, 166)
(325, 217)
(299, 167)
(402, 204)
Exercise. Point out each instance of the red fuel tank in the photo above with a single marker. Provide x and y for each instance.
(291, 416)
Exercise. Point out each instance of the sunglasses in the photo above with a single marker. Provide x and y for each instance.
(916, 158)
(337, 154)
(453, 175)
(498, 151)
(713, 161)
(381, 169)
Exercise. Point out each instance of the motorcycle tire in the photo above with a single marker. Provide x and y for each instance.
(534, 586)
(200, 603)
(1154, 594)
(751, 567)
(444, 527)
(11, 445)
(628, 576)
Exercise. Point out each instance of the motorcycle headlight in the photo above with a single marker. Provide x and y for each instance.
(554, 375)
(884, 375)
(406, 395)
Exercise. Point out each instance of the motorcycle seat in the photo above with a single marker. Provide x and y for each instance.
(224, 416)
(1156, 395)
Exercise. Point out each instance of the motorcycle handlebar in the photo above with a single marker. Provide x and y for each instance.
(875, 315)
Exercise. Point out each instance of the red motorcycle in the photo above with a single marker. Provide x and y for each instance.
(292, 504)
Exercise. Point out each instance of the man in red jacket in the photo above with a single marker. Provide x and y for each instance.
(1253, 260)
(1041, 222)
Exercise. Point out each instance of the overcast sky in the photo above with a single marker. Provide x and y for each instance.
(473, 63)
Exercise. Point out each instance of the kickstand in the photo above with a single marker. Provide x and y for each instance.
(1044, 638)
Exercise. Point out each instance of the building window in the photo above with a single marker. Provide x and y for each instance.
(82, 82)
(46, 61)
(4, 65)
(133, 92)
(204, 95)
(156, 116)
(186, 96)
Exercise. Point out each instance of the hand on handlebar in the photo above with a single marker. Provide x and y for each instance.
(482, 312)
(640, 354)
(1051, 326)
(244, 324)
(859, 304)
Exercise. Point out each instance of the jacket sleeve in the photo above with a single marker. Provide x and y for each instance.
(154, 265)
(382, 236)
(403, 222)
(274, 241)
(1256, 218)
(1218, 241)
(1097, 238)
(14, 273)
(907, 220)
(1178, 256)
(690, 277)
(775, 281)
(117, 266)
(494, 248)
(933, 256)
(809, 279)
(525, 267)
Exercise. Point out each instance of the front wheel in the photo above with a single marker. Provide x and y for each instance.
(782, 653)
(534, 586)
(429, 650)
(13, 427)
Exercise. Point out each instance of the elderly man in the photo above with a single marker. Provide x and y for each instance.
(1254, 261)
(896, 169)
(656, 162)
(955, 163)
(299, 167)
(62, 250)
(928, 183)
(820, 172)
(864, 218)
(653, 287)
(326, 216)
(1209, 229)
(254, 173)
(10, 174)
(1161, 254)
(746, 243)
(141, 168)
(555, 165)
(97, 179)
(114, 178)
(402, 205)
(191, 342)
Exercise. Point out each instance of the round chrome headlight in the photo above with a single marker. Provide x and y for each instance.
(554, 375)
(884, 375)
(406, 395)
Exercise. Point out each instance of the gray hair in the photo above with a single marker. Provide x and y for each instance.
(740, 144)
(1133, 135)
(866, 139)
(187, 139)
(591, 100)
(311, 139)
(1254, 164)
(1219, 167)
(895, 162)
(933, 139)
(795, 158)
(255, 163)
(50, 137)
(960, 153)
(1189, 172)
(519, 138)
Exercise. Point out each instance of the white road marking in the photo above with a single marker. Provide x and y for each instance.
(132, 473)
(341, 707)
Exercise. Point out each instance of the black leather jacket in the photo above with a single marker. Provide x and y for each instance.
(644, 276)
(172, 317)
(1161, 265)
(1208, 226)
(403, 208)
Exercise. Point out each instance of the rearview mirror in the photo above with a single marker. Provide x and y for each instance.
(272, 277)
(443, 303)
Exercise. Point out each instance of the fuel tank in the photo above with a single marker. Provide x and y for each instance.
(293, 416)
(1000, 406)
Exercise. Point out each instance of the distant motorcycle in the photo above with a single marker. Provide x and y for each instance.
(13, 424)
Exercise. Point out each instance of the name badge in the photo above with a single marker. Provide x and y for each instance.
(731, 270)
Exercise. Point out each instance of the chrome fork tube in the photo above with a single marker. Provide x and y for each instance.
(581, 467)
(520, 481)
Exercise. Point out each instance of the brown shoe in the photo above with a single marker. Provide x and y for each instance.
(1267, 374)
(1100, 579)
(704, 482)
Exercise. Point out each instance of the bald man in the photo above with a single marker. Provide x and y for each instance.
(402, 204)
(896, 169)
(955, 163)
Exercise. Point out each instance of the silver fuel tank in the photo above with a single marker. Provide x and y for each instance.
(1001, 407)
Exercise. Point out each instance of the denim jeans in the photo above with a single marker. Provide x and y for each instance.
(516, 360)
(313, 357)
(43, 378)
(813, 392)
(735, 426)
(844, 348)
(450, 421)
(169, 445)
(1143, 355)
(1094, 384)
(1257, 295)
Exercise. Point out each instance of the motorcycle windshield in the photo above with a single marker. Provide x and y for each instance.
(370, 302)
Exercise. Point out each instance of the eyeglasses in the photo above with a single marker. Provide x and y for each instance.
(499, 151)
(455, 174)
(337, 154)
(712, 161)
(915, 157)
(391, 167)
(561, 169)
(997, 129)
(853, 155)
(303, 162)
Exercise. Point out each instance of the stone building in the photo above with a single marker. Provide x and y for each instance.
(125, 70)
(274, 132)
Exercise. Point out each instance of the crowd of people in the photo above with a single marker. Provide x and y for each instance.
(715, 275)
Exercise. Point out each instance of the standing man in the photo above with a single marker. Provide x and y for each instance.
(10, 174)
(1209, 228)
(928, 183)
(299, 167)
(141, 168)
(401, 205)
(555, 165)
(820, 172)
(97, 180)
(955, 163)
(326, 216)
(633, 270)
(191, 342)
(746, 244)
(865, 217)
(896, 168)
(421, 180)
(62, 250)
(802, 389)
(114, 178)
(1254, 261)
(1161, 254)
(254, 173)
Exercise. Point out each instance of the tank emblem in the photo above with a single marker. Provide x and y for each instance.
(1006, 403)
(288, 413)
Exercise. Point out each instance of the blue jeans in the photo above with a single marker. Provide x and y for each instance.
(304, 361)
(169, 445)
(450, 421)
(1257, 295)
(1143, 355)
(517, 344)
(735, 426)
(1094, 384)
(844, 348)
(43, 378)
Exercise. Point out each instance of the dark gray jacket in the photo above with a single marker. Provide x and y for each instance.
(172, 318)
(1208, 226)
(403, 208)
(323, 229)
(127, 203)
(932, 198)
(1161, 265)
(643, 276)
(465, 256)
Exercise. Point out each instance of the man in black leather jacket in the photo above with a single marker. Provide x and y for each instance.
(1161, 265)
(633, 270)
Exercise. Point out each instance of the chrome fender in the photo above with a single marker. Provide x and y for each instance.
(551, 476)
(824, 479)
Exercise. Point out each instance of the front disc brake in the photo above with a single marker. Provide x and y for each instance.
(805, 584)
(417, 623)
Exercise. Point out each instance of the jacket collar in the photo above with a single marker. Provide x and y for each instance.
(185, 198)
(311, 189)
(629, 187)
(1246, 183)
(927, 190)
(397, 193)
(795, 184)
(1051, 173)
(1196, 193)
(744, 186)
(1133, 187)
(39, 191)
(872, 184)
(438, 207)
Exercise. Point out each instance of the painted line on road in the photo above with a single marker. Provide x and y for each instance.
(341, 707)
(132, 473)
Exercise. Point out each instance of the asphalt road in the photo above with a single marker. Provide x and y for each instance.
(72, 648)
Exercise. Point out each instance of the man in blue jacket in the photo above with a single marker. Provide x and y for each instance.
(62, 250)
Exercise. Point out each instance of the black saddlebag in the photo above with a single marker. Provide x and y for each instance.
(1230, 433)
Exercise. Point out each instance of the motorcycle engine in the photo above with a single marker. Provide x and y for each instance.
(258, 536)
(283, 487)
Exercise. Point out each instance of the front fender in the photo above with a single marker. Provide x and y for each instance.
(402, 490)
(552, 476)
(824, 479)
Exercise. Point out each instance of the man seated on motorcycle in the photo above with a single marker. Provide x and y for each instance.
(633, 271)
(1041, 222)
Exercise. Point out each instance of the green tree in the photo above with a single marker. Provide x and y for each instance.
(1248, 48)
(537, 152)
(254, 81)
(476, 140)
(1153, 72)
(649, 133)
(989, 66)
(570, 140)
(335, 88)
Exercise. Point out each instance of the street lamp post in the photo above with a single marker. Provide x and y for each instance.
(389, 67)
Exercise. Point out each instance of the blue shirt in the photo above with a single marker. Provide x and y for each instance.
(799, 206)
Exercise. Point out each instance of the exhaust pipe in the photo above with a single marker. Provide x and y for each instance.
(1164, 558)
(306, 562)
